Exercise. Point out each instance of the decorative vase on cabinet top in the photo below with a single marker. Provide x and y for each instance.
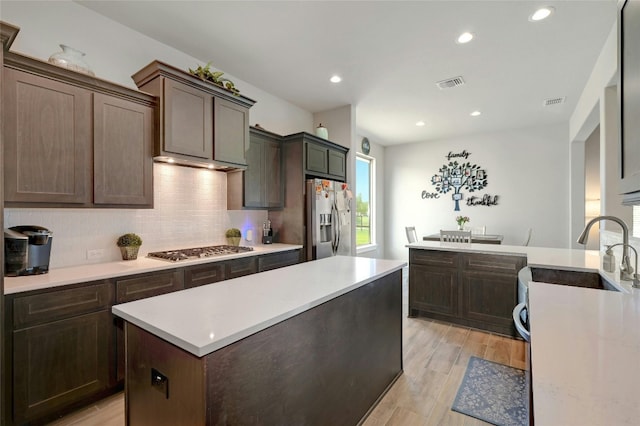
(322, 132)
(72, 59)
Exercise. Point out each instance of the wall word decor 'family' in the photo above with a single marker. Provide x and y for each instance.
(455, 176)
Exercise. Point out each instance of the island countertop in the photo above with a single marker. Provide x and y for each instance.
(98, 271)
(203, 319)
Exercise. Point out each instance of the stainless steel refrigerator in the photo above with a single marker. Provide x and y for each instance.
(328, 207)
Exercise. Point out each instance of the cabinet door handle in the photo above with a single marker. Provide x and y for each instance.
(517, 320)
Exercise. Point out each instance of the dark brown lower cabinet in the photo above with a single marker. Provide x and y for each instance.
(240, 267)
(270, 261)
(207, 273)
(59, 363)
(60, 350)
(470, 289)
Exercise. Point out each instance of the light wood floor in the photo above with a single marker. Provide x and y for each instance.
(435, 359)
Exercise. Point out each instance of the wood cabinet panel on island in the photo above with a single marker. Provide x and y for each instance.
(470, 289)
(73, 140)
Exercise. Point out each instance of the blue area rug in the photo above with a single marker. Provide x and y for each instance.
(493, 393)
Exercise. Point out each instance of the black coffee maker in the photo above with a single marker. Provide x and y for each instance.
(27, 250)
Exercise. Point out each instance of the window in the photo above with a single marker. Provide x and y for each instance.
(365, 190)
(635, 227)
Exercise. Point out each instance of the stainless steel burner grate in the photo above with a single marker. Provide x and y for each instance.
(198, 252)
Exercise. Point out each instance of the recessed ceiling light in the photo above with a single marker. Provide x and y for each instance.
(420, 123)
(541, 14)
(335, 79)
(475, 113)
(210, 166)
(171, 160)
(465, 38)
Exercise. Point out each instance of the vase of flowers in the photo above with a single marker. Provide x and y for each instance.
(461, 220)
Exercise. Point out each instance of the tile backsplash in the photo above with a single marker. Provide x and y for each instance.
(190, 209)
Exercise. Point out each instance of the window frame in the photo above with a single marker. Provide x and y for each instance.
(372, 204)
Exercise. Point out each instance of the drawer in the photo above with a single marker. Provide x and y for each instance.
(195, 276)
(493, 263)
(240, 267)
(63, 303)
(445, 259)
(148, 285)
(278, 260)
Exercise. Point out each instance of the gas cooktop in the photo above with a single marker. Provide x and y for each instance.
(198, 252)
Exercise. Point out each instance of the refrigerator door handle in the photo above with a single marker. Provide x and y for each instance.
(335, 218)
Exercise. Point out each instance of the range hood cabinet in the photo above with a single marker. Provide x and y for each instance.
(200, 123)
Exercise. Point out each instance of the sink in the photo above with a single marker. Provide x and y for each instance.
(571, 278)
(561, 277)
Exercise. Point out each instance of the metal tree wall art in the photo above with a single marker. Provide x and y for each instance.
(457, 176)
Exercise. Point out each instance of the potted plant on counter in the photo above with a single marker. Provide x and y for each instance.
(233, 236)
(129, 245)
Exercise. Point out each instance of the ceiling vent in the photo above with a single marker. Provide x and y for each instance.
(450, 82)
(553, 101)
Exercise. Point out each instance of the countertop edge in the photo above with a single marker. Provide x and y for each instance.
(100, 271)
(121, 310)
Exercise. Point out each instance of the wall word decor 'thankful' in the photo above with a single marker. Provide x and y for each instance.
(455, 176)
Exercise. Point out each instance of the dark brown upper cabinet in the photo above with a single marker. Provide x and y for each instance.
(200, 122)
(261, 185)
(47, 134)
(73, 140)
(122, 149)
(629, 100)
(321, 158)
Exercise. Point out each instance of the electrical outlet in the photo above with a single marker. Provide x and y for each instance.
(95, 254)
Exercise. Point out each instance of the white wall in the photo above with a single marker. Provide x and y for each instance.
(115, 52)
(598, 106)
(592, 186)
(526, 168)
(190, 204)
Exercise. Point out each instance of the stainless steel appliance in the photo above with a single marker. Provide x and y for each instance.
(328, 218)
(27, 250)
(197, 252)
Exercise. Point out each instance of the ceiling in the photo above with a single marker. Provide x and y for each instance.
(390, 54)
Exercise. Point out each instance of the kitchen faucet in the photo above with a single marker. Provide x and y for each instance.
(626, 270)
(636, 280)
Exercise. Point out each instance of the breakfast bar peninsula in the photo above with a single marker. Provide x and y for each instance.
(314, 343)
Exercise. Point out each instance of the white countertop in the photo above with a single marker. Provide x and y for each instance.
(585, 260)
(203, 319)
(585, 348)
(86, 273)
(585, 343)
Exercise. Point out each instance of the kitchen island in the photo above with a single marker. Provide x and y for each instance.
(57, 321)
(585, 342)
(314, 343)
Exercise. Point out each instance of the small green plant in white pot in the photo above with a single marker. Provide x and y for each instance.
(129, 245)
(233, 236)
